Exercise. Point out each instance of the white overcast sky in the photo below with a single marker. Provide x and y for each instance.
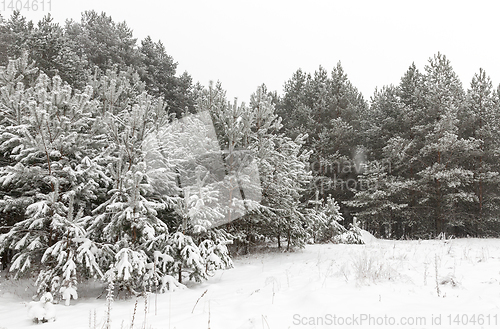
(246, 43)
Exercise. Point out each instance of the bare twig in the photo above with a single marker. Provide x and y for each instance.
(436, 270)
(133, 315)
(208, 313)
(203, 294)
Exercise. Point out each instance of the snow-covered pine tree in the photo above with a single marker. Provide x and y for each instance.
(128, 219)
(239, 186)
(177, 255)
(324, 224)
(276, 169)
(213, 250)
(394, 133)
(127, 222)
(128, 215)
(481, 121)
(332, 226)
(190, 146)
(447, 180)
(71, 259)
(380, 201)
(187, 257)
(47, 135)
(283, 169)
(162, 265)
(12, 78)
(201, 172)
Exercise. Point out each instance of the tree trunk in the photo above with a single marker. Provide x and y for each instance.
(288, 238)
(439, 215)
(180, 274)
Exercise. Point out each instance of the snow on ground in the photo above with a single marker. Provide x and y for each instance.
(373, 285)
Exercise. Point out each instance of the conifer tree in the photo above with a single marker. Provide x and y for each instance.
(446, 180)
(51, 174)
(481, 122)
(329, 109)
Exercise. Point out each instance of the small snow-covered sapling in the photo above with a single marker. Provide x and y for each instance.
(67, 293)
(43, 310)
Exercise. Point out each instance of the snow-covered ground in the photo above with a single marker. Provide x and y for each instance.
(381, 284)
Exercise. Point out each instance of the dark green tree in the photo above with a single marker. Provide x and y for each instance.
(481, 121)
